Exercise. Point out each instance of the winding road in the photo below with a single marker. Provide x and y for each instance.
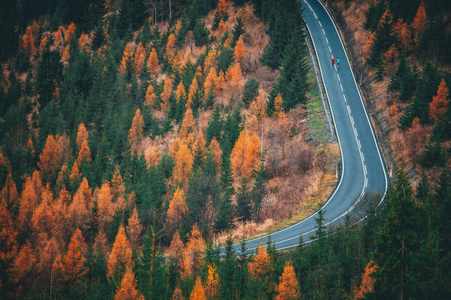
(363, 171)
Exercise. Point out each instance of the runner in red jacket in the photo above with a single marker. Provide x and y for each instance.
(333, 61)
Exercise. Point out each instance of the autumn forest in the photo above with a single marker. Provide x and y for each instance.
(137, 137)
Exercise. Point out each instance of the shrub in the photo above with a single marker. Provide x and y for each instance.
(250, 91)
(200, 34)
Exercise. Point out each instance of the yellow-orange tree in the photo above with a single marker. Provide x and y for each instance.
(245, 154)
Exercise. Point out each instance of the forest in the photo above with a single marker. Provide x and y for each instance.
(134, 133)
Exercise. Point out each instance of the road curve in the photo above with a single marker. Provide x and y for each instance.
(363, 171)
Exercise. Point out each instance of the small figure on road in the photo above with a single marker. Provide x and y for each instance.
(333, 61)
(338, 62)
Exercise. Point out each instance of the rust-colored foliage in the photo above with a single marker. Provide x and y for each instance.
(117, 186)
(212, 284)
(192, 93)
(178, 294)
(234, 76)
(28, 42)
(59, 210)
(128, 288)
(121, 255)
(245, 154)
(73, 262)
(222, 7)
(177, 208)
(28, 203)
(80, 209)
(393, 110)
(84, 40)
(367, 281)
(198, 292)
(140, 58)
(49, 259)
(183, 163)
(70, 31)
(75, 174)
(216, 151)
(23, 263)
(136, 130)
(259, 267)
(85, 153)
(134, 230)
(42, 220)
(152, 63)
(177, 63)
(187, 123)
(210, 61)
(288, 287)
(9, 196)
(65, 57)
(170, 47)
(105, 205)
(47, 160)
(192, 257)
(404, 35)
(150, 96)
(419, 23)
(200, 143)
(82, 135)
(439, 104)
(166, 94)
(152, 155)
(101, 244)
(126, 59)
(176, 249)
(210, 83)
(181, 92)
(240, 50)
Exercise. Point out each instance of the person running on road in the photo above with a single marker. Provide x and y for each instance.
(333, 61)
(338, 62)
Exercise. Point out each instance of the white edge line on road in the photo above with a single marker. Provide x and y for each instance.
(363, 105)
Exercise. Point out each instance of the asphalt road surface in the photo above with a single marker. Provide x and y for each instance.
(362, 169)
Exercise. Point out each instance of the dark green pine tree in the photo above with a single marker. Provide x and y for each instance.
(226, 177)
(232, 127)
(258, 190)
(403, 81)
(224, 216)
(273, 55)
(396, 241)
(214, 126)
(48, 73)
(374, 14)
(238, 30)
(383, 40)
(99, 37)
(243, 201)
(227, 271)
(200, 34)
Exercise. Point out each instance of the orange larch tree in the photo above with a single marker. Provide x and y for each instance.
(260, 266)
(240, 50)
(178, 294)
(136, 130)
(121, 255)
(28, 43)
(70, 32)
(176, 249)
(49, 260)
(193, 255)
(101, 244)
(170, 47)
(245, 154)
(198, 292)
(134, 230)
(404, 35)
(212, 285)
(105, 205)
(128, 288)
(47, 161)
(42, 220)
(24, 263)
(75, 174)
(419, 23)
(187, 123)
(59, 209)
(152, 63)
(73, 262)
(82, 135)
(183, 163)
(126, 59)
(140, 58)
(63, 149)
(85, 153)
(177, 208)
(28, 203)
(8, 243)
(216, 151)
(367, 281)
(439, 104)
(210, 61)
(79, 210)
(234, 76)
(166, 94)
(150, 96)
(288, 287)
(192, 93)
(9, 195)
(210, 83)
(181, 92)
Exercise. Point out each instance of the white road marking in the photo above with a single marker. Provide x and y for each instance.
(330, 50)
(338, 77)
(349, 110)
(358, 144)
(352, 120)
(341, 87)
(320, 23)
(327, 41)
(324, 32)
(316, 17)
(344, 97)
